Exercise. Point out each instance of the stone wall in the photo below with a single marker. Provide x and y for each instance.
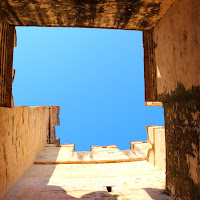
(182, 122)
(178, 85)
(176, 47)
(157, 153)
(23, 134)
(98, 154)
(7, 35)
(177, 38)
(116, 14)
(53, 121)
(149, 66)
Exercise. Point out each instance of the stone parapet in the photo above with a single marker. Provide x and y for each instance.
(109, 148)
(109, 154)
(68, 147)
(141, 147)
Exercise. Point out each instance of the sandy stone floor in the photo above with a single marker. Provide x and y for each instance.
(137, 180)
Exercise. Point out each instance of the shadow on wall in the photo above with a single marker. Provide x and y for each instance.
(153, 193)
(60, 193)
(51, 178)
(40, 183)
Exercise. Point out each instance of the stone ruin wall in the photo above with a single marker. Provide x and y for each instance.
(172, 66)
(176, 41)
(23, 132)
(60, 172)
(152, 150)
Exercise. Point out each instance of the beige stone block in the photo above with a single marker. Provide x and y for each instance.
(68, 147)
(153, 103)
(157, 154)
(160, 149)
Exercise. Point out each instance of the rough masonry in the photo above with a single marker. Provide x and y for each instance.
(23, 134)
(115, 14)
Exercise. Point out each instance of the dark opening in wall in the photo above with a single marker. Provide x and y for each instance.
(109, 188)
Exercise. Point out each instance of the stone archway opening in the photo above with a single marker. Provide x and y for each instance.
(101, 90)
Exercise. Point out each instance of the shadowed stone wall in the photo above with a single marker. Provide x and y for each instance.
(53, 121)
(7, 35)
(182, 122)
(176, 38)
(115, 14)
(149, 66)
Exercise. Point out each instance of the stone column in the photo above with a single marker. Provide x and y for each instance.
(7, 35)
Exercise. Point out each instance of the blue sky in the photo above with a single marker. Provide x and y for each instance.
(96, 76)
